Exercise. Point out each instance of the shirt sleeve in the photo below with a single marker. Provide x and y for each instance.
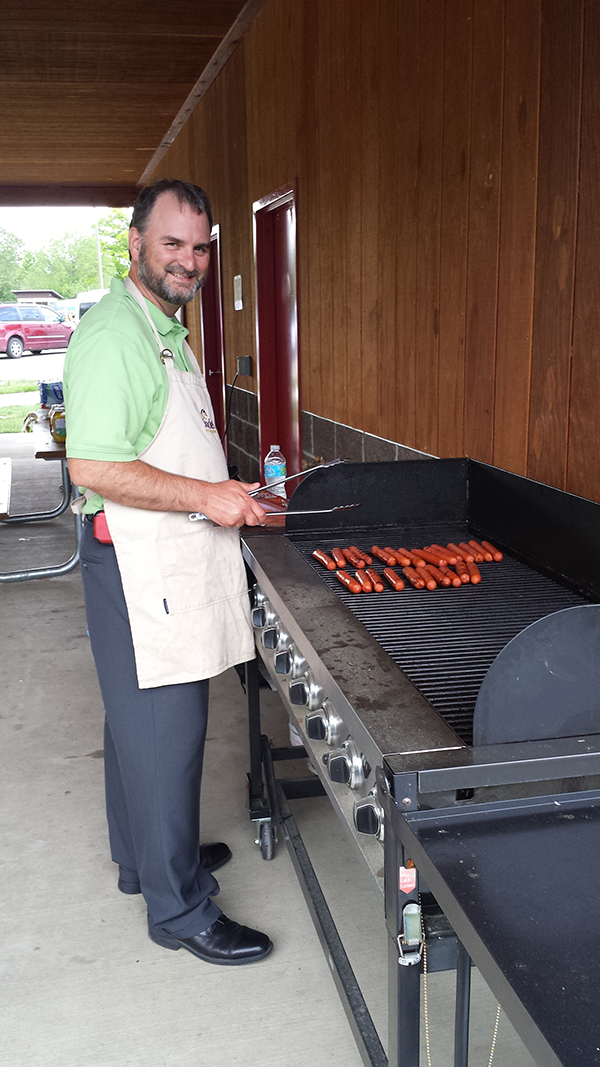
(110, 390)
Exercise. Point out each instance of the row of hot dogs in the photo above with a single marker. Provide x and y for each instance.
(424, 568)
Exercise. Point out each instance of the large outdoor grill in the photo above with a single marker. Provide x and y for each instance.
(427, 710)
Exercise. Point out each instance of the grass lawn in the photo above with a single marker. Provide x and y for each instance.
(21, 386)
(11, 417)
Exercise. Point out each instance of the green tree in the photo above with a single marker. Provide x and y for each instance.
(12, 251)
(114, 240)
(68, 265)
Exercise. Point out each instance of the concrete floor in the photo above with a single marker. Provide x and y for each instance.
(83, 985)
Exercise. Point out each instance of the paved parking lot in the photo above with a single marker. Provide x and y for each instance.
(46, 367)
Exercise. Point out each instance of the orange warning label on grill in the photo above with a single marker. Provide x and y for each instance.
(408, 879)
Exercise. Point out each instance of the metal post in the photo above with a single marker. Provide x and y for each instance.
(255, 774)
(404, 983)
(463, 1004)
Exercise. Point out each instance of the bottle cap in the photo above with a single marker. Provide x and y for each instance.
(274, 448)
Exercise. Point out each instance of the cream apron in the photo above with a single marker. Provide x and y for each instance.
(184, 582)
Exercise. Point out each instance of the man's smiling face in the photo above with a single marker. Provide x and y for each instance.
(170, 259)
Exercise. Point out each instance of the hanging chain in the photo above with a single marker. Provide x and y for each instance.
(426, 1003)
(494, 1036)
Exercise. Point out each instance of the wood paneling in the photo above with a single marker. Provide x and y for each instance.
(456, 165)
(583, 468)
(404, 421)
(430, 43)
(484, 221)
(445, 155)
(559, 137)
(517, 234)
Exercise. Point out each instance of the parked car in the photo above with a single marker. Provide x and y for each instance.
(86, 300)
(35, 328)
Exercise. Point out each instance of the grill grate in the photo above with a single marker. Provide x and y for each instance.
(444, 641)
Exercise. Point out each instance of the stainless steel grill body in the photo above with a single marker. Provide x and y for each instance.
(399, 673)
(384, 691)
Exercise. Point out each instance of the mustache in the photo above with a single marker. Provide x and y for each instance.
(179, 272)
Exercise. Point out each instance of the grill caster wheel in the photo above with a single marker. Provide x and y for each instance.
(266, 840)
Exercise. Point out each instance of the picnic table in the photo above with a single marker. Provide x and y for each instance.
(45, 448)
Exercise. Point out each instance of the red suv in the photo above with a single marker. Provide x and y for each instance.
(33, 327)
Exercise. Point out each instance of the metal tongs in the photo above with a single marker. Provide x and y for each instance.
(280, 481)
(197, 515)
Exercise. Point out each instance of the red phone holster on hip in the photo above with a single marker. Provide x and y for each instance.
(101, 531)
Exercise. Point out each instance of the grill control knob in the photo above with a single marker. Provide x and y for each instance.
(325, 725)
(287, 660)
(283, 662)
(347, 765)
(304, 691)
(339, 768)
(316, 726)
(263, 615)
(270, 637)
(299, 692)
(368, 816)
(259, 608)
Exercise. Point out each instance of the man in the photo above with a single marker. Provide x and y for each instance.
(166, 597)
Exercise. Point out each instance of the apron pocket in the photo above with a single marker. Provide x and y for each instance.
(200, 567)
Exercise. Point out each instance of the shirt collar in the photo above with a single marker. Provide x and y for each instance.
(164, 324)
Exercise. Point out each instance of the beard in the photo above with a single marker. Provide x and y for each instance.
(165, 286)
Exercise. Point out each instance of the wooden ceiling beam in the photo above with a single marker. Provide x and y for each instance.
(68, 195)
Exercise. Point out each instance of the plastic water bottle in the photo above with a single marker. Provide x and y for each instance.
(275, 468)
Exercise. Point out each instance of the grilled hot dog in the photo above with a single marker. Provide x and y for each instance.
(378, 585)
(394, 579)
(451, 575)
(385, 555)
(363, 555)
(324, 559)
(365, 583)
(356, 561)
(414, 577)
(466, 552)
(474, 574)
(350, 582)
(496, 553)
(438, 574)
(433, 557)
(461, 569)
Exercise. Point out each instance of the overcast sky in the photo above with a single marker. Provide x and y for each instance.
(38, 225)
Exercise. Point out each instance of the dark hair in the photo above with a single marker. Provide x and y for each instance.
(185, 192)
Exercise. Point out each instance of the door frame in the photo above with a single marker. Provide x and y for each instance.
(265, 330)
(216, 274)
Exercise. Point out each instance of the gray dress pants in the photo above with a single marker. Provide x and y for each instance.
(153, 751)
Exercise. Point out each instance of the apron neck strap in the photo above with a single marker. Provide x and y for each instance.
(165, 353)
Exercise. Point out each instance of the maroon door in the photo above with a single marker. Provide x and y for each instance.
(212, 332)
(277, 326)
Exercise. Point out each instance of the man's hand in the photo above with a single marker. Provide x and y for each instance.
(139, 485)
(228, 504)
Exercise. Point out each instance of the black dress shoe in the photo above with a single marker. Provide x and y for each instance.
(212, 857)
(225, 942)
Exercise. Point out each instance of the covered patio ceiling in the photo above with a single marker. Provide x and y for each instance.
(94, 92)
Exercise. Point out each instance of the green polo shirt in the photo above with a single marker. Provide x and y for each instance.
(115, 386)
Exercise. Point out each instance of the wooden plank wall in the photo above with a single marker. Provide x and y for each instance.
(446, 156)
